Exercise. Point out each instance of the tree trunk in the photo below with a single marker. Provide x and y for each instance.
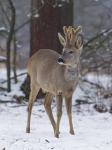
(10, 36)
(44, 28)
(14, 58)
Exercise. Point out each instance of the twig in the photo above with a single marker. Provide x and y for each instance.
(22, 25)
(95, 84)
(7, 101)
(21, 74)
(5, 13)
(83, 102)
(18, 105)
(96, 36)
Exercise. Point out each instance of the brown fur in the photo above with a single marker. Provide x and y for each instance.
(55, 79)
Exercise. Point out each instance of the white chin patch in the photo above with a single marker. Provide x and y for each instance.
(61, 63)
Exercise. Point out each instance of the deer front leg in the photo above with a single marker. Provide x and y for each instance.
(59, 100)
(47, 105)
(32, 98)
(68, 102)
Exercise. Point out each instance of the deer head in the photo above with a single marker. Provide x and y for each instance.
(72, 43)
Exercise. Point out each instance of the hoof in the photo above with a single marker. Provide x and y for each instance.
(56, 135)
(72, 132)
(27, 130)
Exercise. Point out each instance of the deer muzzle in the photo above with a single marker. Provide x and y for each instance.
(60, 61)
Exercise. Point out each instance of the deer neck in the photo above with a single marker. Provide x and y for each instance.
(71, 73)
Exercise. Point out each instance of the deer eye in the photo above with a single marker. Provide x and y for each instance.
(71, 52)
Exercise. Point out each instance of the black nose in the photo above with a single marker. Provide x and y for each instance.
(60, 61)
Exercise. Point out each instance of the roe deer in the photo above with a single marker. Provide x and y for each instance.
(57, 75)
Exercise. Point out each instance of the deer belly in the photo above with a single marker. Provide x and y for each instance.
(51, 89)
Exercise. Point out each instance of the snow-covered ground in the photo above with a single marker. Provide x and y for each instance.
(93, 130)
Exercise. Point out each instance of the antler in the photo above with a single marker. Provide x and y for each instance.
(71, 37)
(67, 32)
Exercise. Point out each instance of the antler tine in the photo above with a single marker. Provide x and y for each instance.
(67, 32)
(74, 33)
(71, 33)
(78, 30)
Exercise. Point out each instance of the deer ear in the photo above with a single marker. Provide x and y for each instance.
(61, 39)
(65, 30)
(79, 42)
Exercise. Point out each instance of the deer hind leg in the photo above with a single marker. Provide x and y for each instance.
(68, 102)
(32, 97)
(47, 105)
(59, 100)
